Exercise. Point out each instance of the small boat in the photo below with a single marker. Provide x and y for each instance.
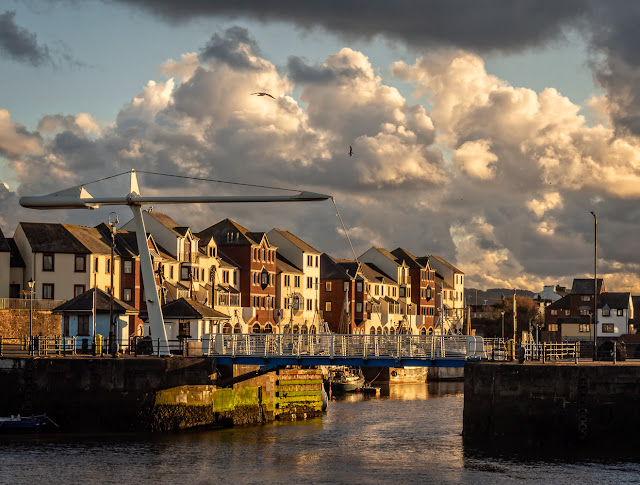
(345, 380)
(23, 424)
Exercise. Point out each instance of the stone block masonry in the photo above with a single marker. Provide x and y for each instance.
(15, 323)
(550, 407)
(150, 393)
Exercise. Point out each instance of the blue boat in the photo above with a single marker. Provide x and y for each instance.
(23, 424)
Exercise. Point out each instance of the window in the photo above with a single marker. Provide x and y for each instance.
(359, 286)
(65, 325)
(608, 328)
(394, 291)
(309, 281)
(47, 291)
(96, 266)
(585, 298)
(127, 294)
(78, 290)
(567, 313)
(127, 266)
(184, 272)
(346, 286)
(309, 305)
(317, 261)
(552, 327)
(184, 329)
(108, 266)
(309, 260)
(584, 313)
(171, 272)
(225, 277)
(255, 328)
(359, 307)
(620, 312)
(376, 289)
(584, 327)
(287, 280)
(328, 285)
(296, 281)
(327, 306)
(554, 312)
(80, 264)
(83, 325)
(296, 303)
(402, 292)
(265, 279)
(606, 312)
(47, 262)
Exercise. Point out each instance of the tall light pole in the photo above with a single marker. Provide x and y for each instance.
(502, 313)
(112, 326)
(31, 284)
(595, 283)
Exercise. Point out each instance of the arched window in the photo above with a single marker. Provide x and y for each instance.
(296, 329)
(379, 330)
(226, 328)
(256, 328)
(312, 329)
(430, 331)
(304, 329)
(385, 331)
(268, 328)
(237, 328)
(392, 331)
(423, 331)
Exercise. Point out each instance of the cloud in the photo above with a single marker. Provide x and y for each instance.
(497, 179)
(15, 140)
(235, 47)
(19, 44)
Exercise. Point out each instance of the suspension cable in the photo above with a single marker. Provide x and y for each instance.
(345, 231)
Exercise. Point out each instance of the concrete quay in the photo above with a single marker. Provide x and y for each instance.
(534, 407)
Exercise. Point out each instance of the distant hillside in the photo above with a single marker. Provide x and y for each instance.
(492, 295)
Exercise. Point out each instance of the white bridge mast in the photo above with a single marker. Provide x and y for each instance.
(78, 198)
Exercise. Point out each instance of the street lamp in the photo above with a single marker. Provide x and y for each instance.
(31, 284)
(502, 313)
(595, 283)
(112, 330)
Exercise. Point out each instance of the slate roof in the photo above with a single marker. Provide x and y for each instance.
(84, 303)
(299, 243)
(167, 222)
(381, 273)
(186, 308)
(372, 273)
(614, 300)
(349, 265)
(4, 245)
(446, 263)
(226, 261)
(409, 259)
(331, 269)
(584, 286)
(64, 238)
(286, 266)
(220, 230)
(16, 260)
(563, 303)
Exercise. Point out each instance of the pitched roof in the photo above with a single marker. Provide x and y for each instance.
(350, 266)
(286, 266)
(585, 286)
(221, 231)
(299, 243)
(446, 263)
(186, 308)
(331, 269)
(16, 260)
(409, 259)
(4, 245)
(614, 300)
(561, 304)
(226, 261)
(64, 238)
(167, 222)
(84, 303)
(372, 273)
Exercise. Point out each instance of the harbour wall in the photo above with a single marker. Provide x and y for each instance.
(153, 394)
(15, 323)
(543, 407)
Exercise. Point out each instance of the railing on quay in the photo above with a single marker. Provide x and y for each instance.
(552, 351)
(27, 304)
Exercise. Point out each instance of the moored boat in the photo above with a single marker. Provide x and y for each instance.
(22, 424)
(344, 379)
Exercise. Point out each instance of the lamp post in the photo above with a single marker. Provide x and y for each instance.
(112, 330)
(502, 313)
(31, 284)
(595, 283)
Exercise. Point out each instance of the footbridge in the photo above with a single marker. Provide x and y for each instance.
(274, 350)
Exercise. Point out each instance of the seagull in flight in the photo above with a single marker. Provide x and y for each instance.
(263, 94)
(350, 151)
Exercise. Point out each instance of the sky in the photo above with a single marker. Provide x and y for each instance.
(483, 132)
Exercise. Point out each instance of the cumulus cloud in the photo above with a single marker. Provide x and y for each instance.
(15, 140)
(495, 178)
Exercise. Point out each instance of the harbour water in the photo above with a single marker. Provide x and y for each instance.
(409, 434)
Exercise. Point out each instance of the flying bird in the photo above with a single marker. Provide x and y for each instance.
(350, 151)
(263, 94)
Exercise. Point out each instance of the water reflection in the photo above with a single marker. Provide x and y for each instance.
(411, 433)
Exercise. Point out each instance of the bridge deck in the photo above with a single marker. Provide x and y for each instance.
(349, 350)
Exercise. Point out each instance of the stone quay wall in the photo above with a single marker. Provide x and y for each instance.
(150, 393)
(549, 406)
(15, 323)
